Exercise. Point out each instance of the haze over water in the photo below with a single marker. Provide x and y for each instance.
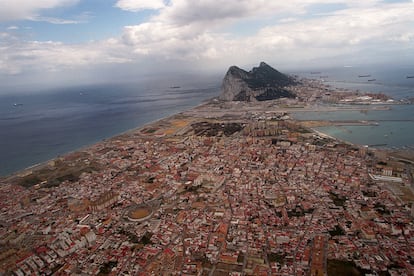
(395, 127)
(36, 128)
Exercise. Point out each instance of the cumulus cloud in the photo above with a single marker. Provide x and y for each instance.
(193, 30)
(18, 56)
(137, 5)
(344, 28)
(195, 11)
(201, 33)
(53, 20)
(25, 9)
(171, 41)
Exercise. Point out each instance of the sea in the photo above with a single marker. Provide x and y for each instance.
(393, 128)
(36, 126)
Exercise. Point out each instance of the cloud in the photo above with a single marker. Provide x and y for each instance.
(171, 42)
(184, 12)
(193, 30)
(53, 20)
(345, 28)
(200, 34)
(137, 5)
(18, 56)
(25, 9)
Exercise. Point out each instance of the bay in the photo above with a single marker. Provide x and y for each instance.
(36, 126)
(395, 127)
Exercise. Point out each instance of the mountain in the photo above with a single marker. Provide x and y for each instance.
(260, 84)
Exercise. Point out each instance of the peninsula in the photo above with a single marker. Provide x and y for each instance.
(231, 187)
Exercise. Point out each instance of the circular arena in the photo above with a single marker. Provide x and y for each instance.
(139, 213)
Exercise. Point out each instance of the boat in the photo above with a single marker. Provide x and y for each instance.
(364, 76)
(372, 79)
(315, 73)
(175, 87)
(17, 104)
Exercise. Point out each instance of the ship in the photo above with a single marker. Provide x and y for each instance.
(410, 77)
(175, 87)
(315, 73)
(17, 104)
(372, 79)
(364, 76)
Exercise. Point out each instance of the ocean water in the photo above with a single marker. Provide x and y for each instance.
(395, 127)
(43, 125)
(38, 126)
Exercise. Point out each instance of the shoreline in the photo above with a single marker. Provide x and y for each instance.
(330, 107)
(324, 135)
(213, 188)
(205, 103)
(39, 165)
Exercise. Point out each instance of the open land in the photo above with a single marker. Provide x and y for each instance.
(226, 188)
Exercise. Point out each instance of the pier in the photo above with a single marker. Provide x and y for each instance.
(322, 123)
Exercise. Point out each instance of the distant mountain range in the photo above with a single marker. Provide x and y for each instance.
(260, 84)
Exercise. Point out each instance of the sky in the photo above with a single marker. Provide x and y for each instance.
(76, 41)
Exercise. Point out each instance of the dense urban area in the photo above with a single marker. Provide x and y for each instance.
(226, 188)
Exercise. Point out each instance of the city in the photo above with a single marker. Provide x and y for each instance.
(244, 191)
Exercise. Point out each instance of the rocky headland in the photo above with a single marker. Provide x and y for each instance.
(260, 84)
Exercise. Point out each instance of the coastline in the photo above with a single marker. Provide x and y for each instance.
(42, 164)
(56, 123)
(361, 129)
(205, 104)
(280, 108)
(220, 187)
(324, 135)
(209, 169)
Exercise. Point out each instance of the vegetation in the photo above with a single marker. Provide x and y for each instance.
(276, 257)
(240, 257)
(150, 179)
(303, 130)
(150, 130)
(380, 208)
(133, 238)
(146, 239)
(192, 188)
(274, 93)
(106, 268)
(342, 268)
(337, 231)
(297, 212)
(265, 76)
(60, 172)
(30, 180)
(337, 199)
(369, 193)
(216, 129)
